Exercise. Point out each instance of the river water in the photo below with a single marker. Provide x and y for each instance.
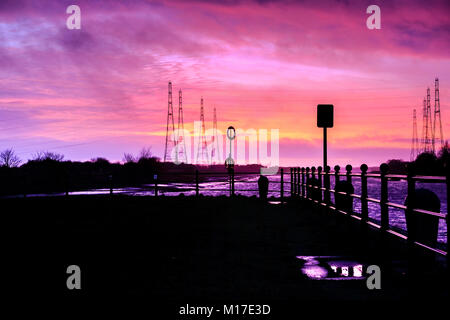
(246, 185)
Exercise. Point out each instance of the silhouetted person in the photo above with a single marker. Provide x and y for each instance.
(344, 202)
(423, 227)
(263, 186)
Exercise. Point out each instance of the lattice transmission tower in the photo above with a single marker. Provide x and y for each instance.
(437, 118)
(424, 122)
(427, 125)
(180, 149)
(415, 139)
(202, 147)
(169, 131)
(215, 146)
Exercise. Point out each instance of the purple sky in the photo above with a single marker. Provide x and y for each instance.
(102, 90)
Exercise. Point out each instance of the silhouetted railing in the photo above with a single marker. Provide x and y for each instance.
(228, 177)
(304, 181)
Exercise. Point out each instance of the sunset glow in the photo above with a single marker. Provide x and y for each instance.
(102, 90)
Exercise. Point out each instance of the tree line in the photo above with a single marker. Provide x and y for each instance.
(426, 163)
(48, 172)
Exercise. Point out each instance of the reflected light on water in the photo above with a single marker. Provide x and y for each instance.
(315, 272)
(344, 271)
(357, 271)
(331, 268)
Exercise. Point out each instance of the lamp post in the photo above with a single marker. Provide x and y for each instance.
(229, 162)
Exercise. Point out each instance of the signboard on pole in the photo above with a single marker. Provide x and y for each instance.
(325, 115)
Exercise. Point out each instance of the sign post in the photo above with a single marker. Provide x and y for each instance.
(325, 120)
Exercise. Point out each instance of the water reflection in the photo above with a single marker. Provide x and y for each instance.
(315, 272)
(331, 268)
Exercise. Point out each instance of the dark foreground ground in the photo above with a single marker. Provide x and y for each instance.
(182, 250)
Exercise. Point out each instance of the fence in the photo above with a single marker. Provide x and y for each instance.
(301, 189)
(228, 177)
(304, 183)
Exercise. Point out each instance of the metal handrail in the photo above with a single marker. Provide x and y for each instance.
(230, 175)
(305, 175)
(301, 187)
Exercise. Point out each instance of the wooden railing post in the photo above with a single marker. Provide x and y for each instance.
(196, 183)
(303, 183)
(326, 183)
(281, 184)
(319, 184)
(308, 192)
(364, 202)
(292, 181)
(298, 181)
(336, 180)
(384, 197)
(232, 182)
(409, 208)
(336, 175)
(155, 177)
(349, 169)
